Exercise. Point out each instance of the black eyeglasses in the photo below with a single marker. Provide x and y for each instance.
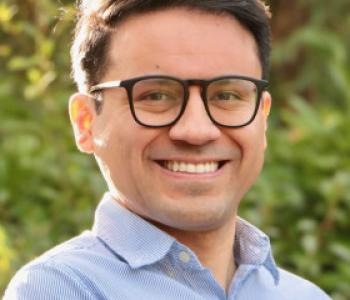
(159, 101)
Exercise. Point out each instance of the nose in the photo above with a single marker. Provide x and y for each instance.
(195, 126)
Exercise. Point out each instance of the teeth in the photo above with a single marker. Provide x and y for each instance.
(176, 166)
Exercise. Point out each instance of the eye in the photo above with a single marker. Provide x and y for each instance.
(155, 96)
(227, 96)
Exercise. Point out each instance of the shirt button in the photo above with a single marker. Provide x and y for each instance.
(184, 257)
(171, 274)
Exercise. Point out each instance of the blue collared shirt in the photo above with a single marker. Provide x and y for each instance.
(125, 257)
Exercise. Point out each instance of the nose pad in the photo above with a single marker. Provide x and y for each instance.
(195, 127)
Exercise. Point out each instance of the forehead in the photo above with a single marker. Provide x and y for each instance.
(184, 43)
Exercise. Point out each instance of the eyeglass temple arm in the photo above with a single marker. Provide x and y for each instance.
(105, 85)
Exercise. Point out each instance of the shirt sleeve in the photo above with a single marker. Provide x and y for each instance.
(47, 281)
(300, 288)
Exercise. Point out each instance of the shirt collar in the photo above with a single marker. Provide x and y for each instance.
(129, 236)
(252, 247)
(140, 243)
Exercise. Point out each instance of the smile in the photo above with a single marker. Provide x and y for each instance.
(192, 168)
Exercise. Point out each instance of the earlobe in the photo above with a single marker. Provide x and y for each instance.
(81, 116)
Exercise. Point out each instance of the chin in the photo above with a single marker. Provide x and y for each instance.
(197, 220)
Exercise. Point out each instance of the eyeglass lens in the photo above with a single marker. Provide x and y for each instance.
(157, 101)
(231, 102)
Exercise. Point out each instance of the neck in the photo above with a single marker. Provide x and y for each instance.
(213, 248)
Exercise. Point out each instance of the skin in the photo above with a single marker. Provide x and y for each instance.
(198, 209)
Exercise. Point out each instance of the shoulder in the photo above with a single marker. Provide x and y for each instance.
(296, 286)
(287, 287)
(52, 275)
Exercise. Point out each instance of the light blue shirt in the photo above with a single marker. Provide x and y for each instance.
(125, 257)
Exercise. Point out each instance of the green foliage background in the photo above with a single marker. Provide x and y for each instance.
(48, 190)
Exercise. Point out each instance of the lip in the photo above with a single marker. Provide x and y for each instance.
(183, 175)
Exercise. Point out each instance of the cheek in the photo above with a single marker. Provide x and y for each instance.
(252, 142)
(115, 155)
(115, 147)
(109, 129)
(122, 146)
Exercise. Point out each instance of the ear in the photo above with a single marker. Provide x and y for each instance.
(266, 108)
(266, 104)
(81, 114)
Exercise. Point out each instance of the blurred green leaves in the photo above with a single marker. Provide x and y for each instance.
(303, 197)
(48, 191)
(6, 253)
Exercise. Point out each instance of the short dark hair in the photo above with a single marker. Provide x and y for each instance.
(98, 18)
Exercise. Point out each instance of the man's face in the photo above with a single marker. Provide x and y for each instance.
(135, 160)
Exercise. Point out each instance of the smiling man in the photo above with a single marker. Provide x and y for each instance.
(173, 104)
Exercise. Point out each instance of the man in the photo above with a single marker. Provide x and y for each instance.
(173, 105)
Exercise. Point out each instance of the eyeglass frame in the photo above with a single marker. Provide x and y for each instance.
(128, 84)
